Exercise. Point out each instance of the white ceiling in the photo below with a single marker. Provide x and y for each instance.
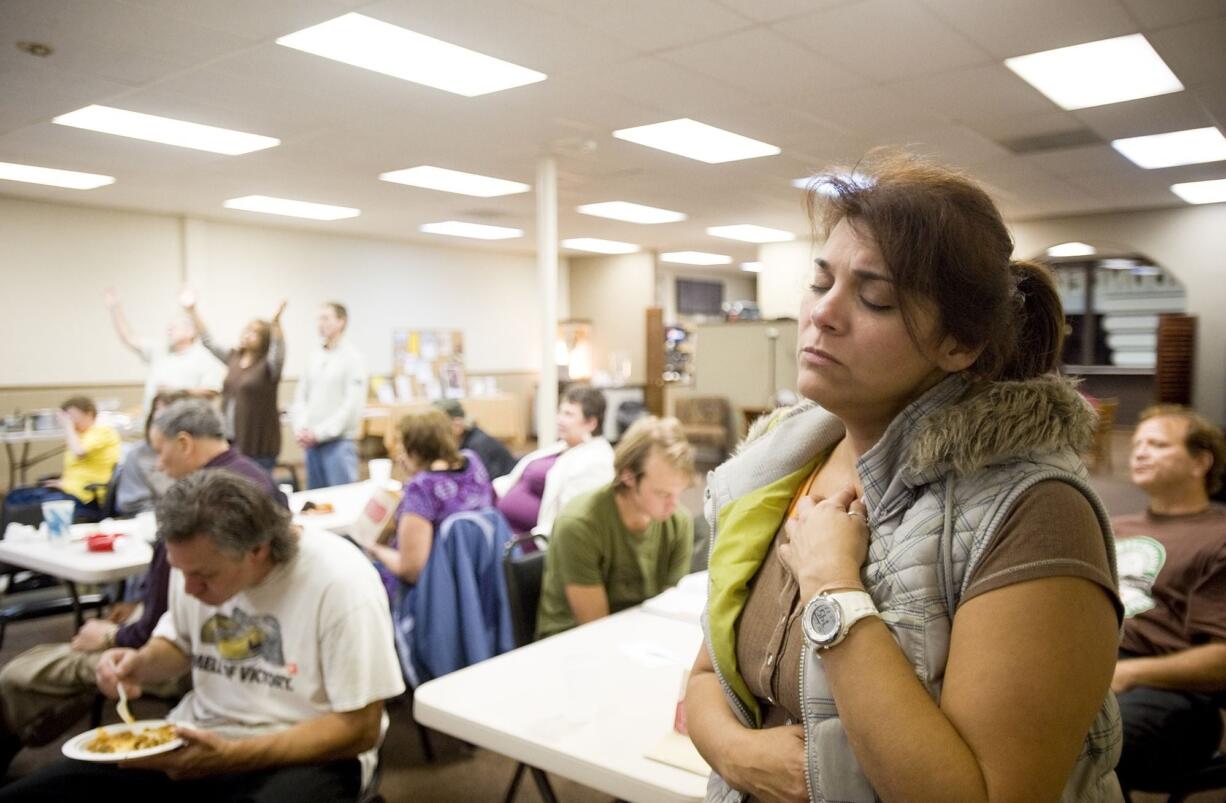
(823, 79)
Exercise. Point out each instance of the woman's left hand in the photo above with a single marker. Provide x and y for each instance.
(827, 543)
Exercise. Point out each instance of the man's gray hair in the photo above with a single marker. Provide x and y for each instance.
(196, 417)
(234, 512)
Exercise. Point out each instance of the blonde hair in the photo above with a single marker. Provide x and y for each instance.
(664, 436)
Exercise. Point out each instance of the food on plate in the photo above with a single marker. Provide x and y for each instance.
(105, 741)
(317, 508)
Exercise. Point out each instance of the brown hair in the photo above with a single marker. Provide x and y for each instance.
(1203, 437)
(338, 309)
(163, 400)
(590, 400)
(263, 332)
(945, 244)
(663, 436)
(427, 437)
(83, 403)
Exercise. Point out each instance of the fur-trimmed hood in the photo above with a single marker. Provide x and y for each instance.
(990, 422)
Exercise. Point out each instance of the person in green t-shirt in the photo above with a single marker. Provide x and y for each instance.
(614, 547)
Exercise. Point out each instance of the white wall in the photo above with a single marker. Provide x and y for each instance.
(58, 259)
(1189, 242)
(787, 268)
(613, 292)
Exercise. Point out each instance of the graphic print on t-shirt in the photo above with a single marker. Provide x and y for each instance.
(1139, 560)
(240, 637)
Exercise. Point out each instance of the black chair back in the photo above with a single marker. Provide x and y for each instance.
(524, 572)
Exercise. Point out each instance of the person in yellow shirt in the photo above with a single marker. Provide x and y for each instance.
(90, 456)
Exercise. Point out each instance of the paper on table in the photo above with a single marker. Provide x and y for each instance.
(683, 601)
(678, 751)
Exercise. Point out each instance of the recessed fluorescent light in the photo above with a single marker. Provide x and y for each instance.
(751, 267)
(599, 246)
(289, 208)
(440, 178)
(695, 140)
(1097, 73)
(631, 213)
(749, 233)
(1193, 146)
(1071, 250)
(474, 231)
(69, 179)
(389, 49)
(165, 130)
(1201, 192)
(695, 258)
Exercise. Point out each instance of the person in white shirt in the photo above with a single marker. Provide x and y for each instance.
(268, 619)
(183, 364)
(329, 402)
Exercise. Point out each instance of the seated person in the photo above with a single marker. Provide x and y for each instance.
(442, 481)
(468, 435)
(90, 456)
(46, 688)
(1172, 563)
(616, 546)
(287, 637)
(141, 484)
(544, 481)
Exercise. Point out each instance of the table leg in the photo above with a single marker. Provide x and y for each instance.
(77, 614)
(543, 786)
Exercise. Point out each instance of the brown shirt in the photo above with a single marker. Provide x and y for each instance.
(1050, 532)
(1173, 579)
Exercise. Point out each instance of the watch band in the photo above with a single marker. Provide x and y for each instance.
(856, 605)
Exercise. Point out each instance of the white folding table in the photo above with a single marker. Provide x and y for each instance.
(347, 503)
(587, 704)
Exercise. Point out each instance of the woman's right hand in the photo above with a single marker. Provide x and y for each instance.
(187, 299)
(771, 767)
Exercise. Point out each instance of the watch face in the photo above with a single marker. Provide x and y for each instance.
(825, 619)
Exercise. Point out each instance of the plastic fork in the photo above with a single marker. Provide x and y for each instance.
(122, 707)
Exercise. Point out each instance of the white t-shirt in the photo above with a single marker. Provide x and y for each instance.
(189, 369)
(313, 637)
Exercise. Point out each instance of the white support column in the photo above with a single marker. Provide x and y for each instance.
(547, 269)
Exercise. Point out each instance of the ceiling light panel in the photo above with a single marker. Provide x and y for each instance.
(749, 233)
(695, 140)
(51, 177)
(1073, 249)
(1194, 146)
(290, 208)
(630, 212)
(389, 49)
(444, 180)
(695, 258)
(596, 245)
(166, 130)
(473, 231)
(1202, 192)
(751, 267)
(1097, 73)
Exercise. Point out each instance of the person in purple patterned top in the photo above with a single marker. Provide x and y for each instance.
(443, 480)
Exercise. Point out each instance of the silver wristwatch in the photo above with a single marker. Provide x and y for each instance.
(828, 617)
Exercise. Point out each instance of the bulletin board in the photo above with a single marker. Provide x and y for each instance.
(428, 363)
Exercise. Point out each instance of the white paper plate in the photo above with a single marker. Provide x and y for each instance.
(75, 747)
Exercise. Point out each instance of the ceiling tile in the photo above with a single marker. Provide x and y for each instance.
(1008, 28)
(774, 10)
(266, 19)
(906, 39)
(1089, 160)
(650, 25)
(762, 61)
(977, 93)
(1174, 112)
(673, 90)
(1161, 13)
(1195, 52)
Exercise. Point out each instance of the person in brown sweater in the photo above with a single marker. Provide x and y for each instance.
(1171, 677)
(249, 394)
